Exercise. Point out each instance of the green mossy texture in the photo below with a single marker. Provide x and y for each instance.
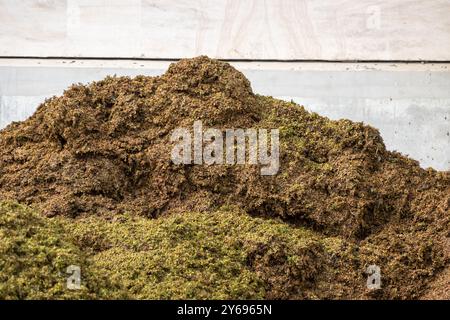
(34, 254)
(182, 256)
(226, 254)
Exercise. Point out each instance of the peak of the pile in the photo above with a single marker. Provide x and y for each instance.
(205, 75)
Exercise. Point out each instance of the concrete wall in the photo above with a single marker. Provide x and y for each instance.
(408, 103)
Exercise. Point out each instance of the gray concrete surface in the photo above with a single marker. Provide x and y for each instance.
(408, 103)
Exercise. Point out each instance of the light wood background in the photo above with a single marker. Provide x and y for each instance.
(228, 29)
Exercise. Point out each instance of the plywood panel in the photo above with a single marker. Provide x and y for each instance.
(228, 29)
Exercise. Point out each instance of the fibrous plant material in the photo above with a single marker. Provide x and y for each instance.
(34, 255)
(226, 254)
(104, 149)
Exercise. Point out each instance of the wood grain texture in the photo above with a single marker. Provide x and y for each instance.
(228, 29)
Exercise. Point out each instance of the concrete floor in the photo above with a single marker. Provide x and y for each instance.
(408, 103)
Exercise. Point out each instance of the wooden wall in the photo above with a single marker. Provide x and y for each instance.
(228, 29)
